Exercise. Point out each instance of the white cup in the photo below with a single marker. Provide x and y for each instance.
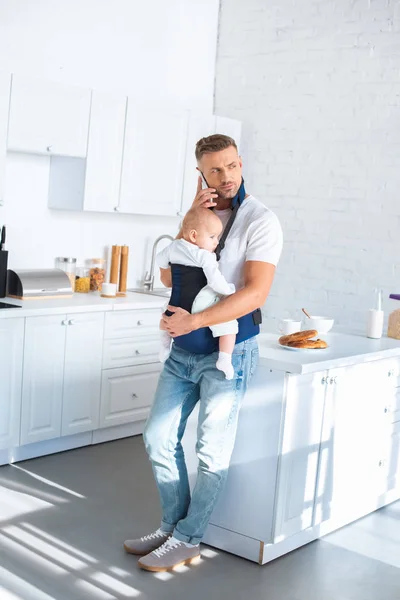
(288, 326)
(109, 290)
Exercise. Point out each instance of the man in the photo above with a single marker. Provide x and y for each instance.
(251, 253)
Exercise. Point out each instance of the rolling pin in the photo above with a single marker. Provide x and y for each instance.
(123, 272)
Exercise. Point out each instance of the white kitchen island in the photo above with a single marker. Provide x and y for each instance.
(318, 446)
(318, 441)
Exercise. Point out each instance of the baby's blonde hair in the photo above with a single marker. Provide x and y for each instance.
(199, 217)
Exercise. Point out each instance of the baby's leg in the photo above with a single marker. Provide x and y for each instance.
(165, 343)
(224, 362)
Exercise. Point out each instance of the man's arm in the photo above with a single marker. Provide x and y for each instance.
(258, 280)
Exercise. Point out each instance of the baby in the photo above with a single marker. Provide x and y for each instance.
(201, 229)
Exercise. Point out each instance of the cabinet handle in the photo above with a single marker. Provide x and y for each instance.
(325, 381)
(382, 463)
(48, 148)
(71, 322)
(387, 410)
(137, 351)
(116, 208)
(134, 395)
(140, 322)
(333, 380)
(65, 322)
(391, 373)
(179, 213)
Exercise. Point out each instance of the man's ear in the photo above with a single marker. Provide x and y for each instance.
(193, 236)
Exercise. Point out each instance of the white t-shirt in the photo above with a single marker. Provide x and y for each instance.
(182, 252)
(256, 234)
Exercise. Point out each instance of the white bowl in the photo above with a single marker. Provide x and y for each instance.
(321, 324)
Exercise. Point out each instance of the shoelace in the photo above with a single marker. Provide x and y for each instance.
(153, 535)
(166, 547)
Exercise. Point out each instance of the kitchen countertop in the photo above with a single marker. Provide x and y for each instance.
(343, 350)
(77, 303)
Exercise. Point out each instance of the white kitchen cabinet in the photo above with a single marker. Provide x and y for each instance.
(82, 373)
(93, 184)
(127, 394)
(11, 356)
(48, 118)
(354, 442)
(298, 466)
(61, 376)
(153, 162)
(5, 86)
(42, 385)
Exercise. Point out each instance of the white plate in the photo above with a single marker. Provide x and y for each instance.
(302, 349)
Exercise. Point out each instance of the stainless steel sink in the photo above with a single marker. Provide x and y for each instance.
(164, 292)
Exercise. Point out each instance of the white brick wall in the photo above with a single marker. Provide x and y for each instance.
(317, 86)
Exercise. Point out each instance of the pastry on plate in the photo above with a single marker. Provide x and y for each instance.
(299, 336)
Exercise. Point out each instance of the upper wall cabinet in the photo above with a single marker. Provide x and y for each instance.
(153, 162)
(93, 184)
(48, 118)
(203, 126)
(5, 85)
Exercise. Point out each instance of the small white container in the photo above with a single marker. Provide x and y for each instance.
(288, 326)
(375, 323)
(109, 290)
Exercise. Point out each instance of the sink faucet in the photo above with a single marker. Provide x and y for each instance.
(148, 282)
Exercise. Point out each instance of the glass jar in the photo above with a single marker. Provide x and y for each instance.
(68, 265)
(97, 274)
(82, 281)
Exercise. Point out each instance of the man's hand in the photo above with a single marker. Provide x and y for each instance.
(204, 198)
(180, 323)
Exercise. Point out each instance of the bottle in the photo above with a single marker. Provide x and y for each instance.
(82, 281)
(97, 274)
(68, 265)
(375, 318)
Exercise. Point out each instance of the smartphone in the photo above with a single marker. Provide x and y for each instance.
(204, 183)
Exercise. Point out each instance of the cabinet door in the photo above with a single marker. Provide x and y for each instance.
(82, 373)
(42, 383)
(5, 83)
(48, 118)
(298, 463)
(127, 394)
(354, 438)
(199, 126)
(11, 355)
(153, 162)
(105, 147)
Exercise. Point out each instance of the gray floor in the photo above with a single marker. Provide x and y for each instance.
(64, 517)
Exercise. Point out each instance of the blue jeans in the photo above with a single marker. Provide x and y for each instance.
(185, 380)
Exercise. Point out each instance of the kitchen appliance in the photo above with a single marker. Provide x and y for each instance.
(38, 283)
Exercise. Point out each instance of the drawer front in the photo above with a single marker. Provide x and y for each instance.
(130, 323)
(127, 394)
(126, 352)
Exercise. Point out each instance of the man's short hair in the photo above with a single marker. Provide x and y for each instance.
(213, 143)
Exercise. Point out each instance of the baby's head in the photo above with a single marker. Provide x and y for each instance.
(202, 228)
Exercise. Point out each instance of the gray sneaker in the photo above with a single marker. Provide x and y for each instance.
(147, 543)
(171, 554)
